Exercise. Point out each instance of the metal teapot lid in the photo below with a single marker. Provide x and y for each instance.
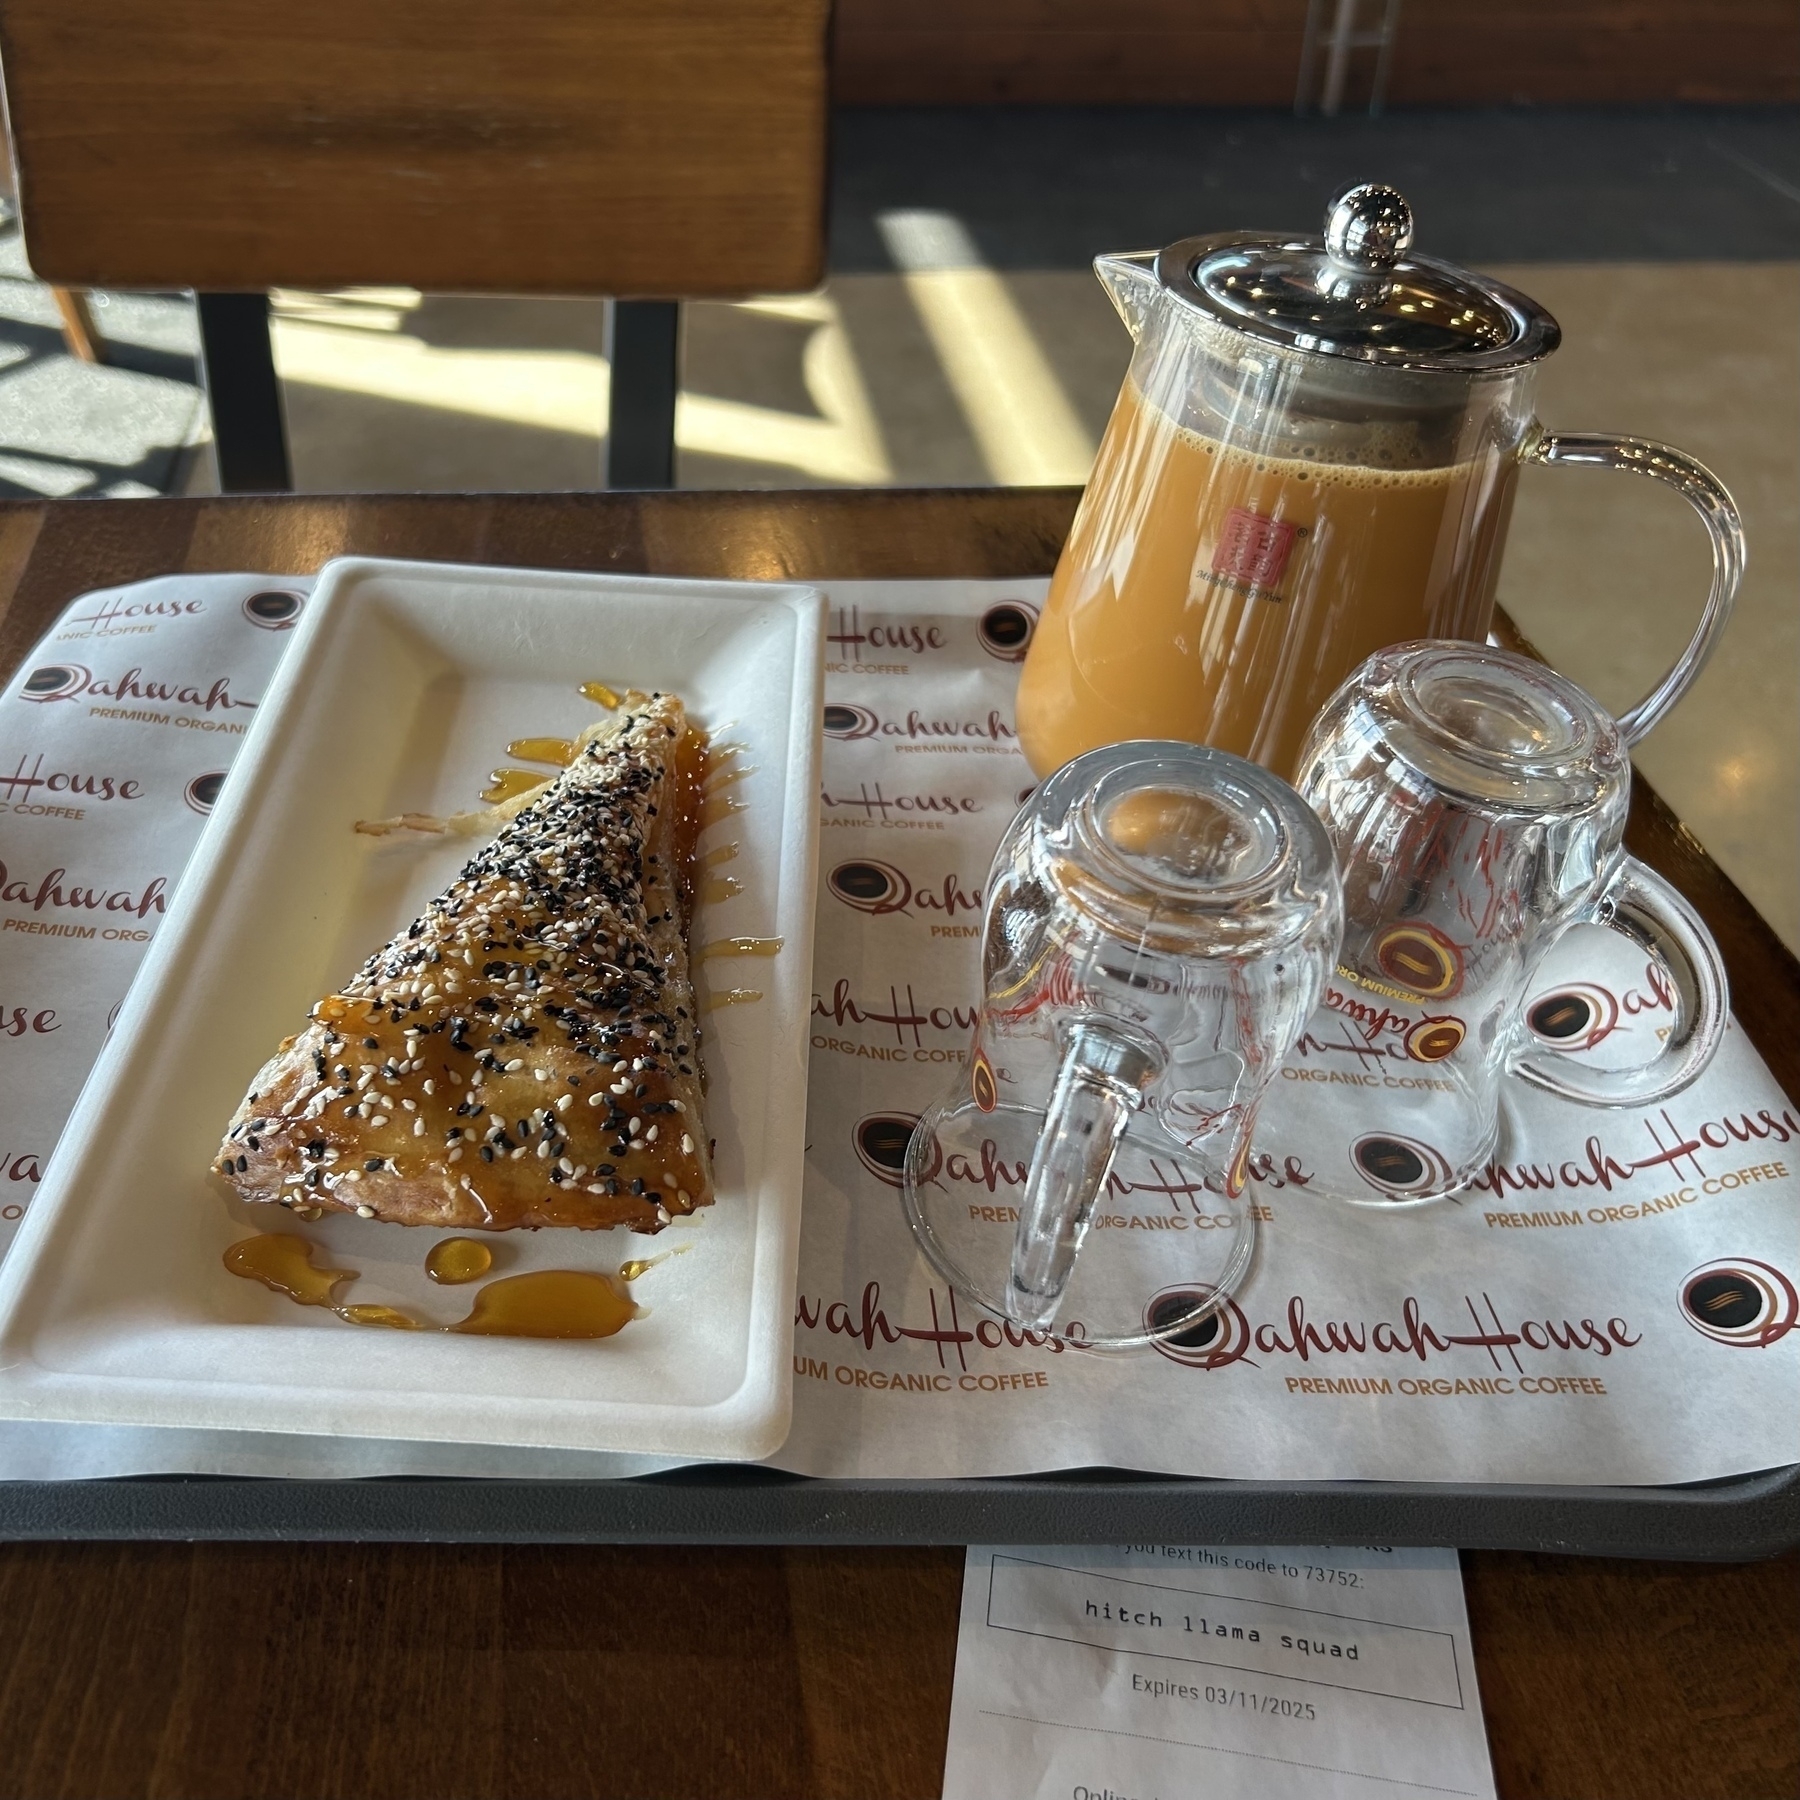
(1356, 293)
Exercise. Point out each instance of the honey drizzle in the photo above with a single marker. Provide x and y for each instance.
(282, 1261)
(720, 853)
(642, 1265)
(508, 784)
(730, 997)
(456, 1260)
(718, 807)
(390, 1316)
(560, 751)
(549, 1303)
(600, 694)
(739, 946)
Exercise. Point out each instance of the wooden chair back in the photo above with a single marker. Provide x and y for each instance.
(616, 147)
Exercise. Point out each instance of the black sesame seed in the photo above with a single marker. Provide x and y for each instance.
(372, 1164)
(243, 1162)
(487, 1152)
(371, 1043)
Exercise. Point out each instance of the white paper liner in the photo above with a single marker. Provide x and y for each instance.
(1534, 1332)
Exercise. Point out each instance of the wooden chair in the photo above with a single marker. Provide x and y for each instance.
(644, 150)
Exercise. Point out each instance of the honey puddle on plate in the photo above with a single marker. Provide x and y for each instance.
(547, 1303)
(456, 1260)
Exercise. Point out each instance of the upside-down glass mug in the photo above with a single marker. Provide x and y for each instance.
(1476, 801)
(1160, 920)
(1313, 455)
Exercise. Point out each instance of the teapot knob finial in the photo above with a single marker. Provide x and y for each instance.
(1368, 227)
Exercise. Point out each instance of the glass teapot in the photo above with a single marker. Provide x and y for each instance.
(1313, 456)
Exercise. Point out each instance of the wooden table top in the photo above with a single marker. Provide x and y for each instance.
(378, 1670)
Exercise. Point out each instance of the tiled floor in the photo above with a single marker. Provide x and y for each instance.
(962, 338)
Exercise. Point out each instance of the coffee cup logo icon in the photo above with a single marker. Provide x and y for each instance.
(1005, 630)
(880, 1140)
(1400, 1167)
(1575, 1017)
(55, 681)
(1218, 1338)
(1431, 1040)
(202, 793)
(1740, 1301)
(845, 722)
(276, 609)
(982, 1085)
(1421, 959)
(869, 886)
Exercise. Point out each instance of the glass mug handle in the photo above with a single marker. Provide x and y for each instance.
(1704, 492)
(1099, 1086)
(1642, 907)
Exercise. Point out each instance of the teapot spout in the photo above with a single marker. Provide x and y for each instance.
(1129, 277)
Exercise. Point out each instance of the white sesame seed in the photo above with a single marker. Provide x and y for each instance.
(455, 1154)
(418, 1127)
(637, 1062)
(650, 1135)
(543, 1150)
(365, 1212)
(410, 1105)
(430, 1086)
(684, 1196)
(687, 1145)
(596, 1099)
(518, 1153)
(518, 1062)
(565, 1103)
(620, 1066)
(379, 1120)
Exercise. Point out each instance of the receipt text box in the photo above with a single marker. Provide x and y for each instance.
(1191, 1625)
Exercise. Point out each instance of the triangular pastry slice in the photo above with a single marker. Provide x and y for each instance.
(527, 1052)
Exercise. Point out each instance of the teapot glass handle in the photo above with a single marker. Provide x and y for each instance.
(1098, 1088)
(1704, 492)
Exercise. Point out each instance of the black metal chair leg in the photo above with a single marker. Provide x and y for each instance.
(237, 365)
(643, 346)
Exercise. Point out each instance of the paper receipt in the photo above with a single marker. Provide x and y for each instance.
(1152, 1672)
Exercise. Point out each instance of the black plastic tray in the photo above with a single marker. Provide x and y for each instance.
(1739, 1519)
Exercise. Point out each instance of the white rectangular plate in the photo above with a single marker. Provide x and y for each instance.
(404, 685)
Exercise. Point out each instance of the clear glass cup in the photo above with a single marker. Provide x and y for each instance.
(1159, 924)
(1476, 801)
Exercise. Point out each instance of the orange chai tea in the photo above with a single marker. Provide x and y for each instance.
(1219, 596)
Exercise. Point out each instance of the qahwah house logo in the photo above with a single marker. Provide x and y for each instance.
(1576, 1017)
(55, 681)
(202, 793)
(275, 609)
(880, 1141)
(1220, 1338)
(870, 886)
(1005, 630)
(845, 722)
(1739, 1301)
(1402, 1168)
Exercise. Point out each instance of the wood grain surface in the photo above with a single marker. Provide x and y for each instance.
(621, 147)
(1247, 52)
(368, 1671)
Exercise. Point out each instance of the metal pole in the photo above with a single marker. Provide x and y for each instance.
(643, 341)
(237, 367)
